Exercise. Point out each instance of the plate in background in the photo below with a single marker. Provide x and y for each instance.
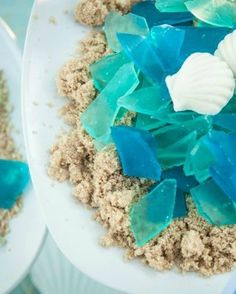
(48, 47)
(27, 228)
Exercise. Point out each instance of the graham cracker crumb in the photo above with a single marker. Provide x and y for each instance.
(190, 244)
(94, 12)
(52, 20)
(7, 151)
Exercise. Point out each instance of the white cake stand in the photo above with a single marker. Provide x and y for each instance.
(27, 229)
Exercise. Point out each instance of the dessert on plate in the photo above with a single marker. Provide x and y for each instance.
(152, 111)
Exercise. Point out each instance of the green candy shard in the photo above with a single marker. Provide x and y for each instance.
(129, 24)
(153, 212)
(217, 13)
(174, 155)
(213, 205)
(147, 100)
(104, 70)
(171, 5)
(102, 112)
(198, 161)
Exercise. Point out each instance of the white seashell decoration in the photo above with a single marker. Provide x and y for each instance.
(204, 84)
(226, 51)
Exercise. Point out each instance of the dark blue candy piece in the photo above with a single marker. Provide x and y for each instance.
(137, 151)
(154, 17)
(180, 205)
(184, 183)
(14, 177)
(223, 171)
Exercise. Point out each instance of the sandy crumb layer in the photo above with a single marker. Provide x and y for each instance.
(191, 244)
(7, 151)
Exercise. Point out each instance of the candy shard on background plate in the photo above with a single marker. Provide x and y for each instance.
(101, 113)
(223, 170)
(204, 84)
(117, 23)
(137, 151)
(213, 205)
(217, 13)
(152, 213)
(104, 70)
(154, 17)
(14, 177)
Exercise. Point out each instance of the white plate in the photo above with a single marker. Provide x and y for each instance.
(27, 229)
(48, 46)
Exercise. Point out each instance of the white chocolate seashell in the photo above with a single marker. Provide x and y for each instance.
(226, 51)
(204, 84)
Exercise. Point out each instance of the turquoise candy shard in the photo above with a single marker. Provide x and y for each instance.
(171, 5)
(14, 177)
(218, 13)
(147, 100)
(174, 155)
(225, 120)
(184, 183)
(117, 23)
(198, 161)
(153, 212)
(180, 209)
(213, 205)
(223, 170)
(154, 17)
(101, 113)
(104, 70)
(146, 122)
(137, 151)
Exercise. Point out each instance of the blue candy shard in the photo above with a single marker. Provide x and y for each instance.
(226, 121)
(184, 183)
(14, 177)
(213, 205)
(223, 170)
(104, 70)
(137, 151)
(154, 17)
(129, 23)
(153, 212)
(101, 113)
(180, 209)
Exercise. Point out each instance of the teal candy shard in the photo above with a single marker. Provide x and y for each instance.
(218, 13)
(180, 205)
(104, 70)
(147, 100)
(130, 24)
(225, 120)
(137, 152)
(171, 5)
(174, 155)
(14, 177)
(154, 17)
(213, 205)
(223, 170)
(153, 212)
(145, 122)
(102, 112)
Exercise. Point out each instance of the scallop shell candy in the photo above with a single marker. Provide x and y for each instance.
(204, 84)
(226, 51)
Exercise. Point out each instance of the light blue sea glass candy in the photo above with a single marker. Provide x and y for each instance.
(101, 113)
(14, 177)
(218, 13)
(153, 212)
(117, 23)
(213, 205)
(147, 100)
(180, 209)
(171, 5)
(223, 170)
(137, 151)
(104, 70)
(154, 17)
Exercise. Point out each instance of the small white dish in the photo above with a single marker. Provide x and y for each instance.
(27, 228)
(48, 47)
